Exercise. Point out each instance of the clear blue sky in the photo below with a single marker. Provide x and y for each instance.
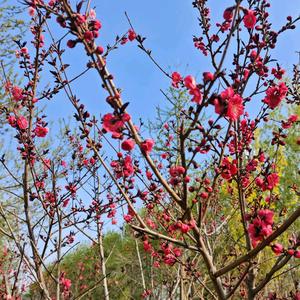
(169, 26)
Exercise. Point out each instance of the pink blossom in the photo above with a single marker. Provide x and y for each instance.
(147, 145)
(275, 94)
(297, 254)
(197, 95)
(127, 218)
(228, 14)
(12, 120)
(250, 19)
(66, 283)
(17, 93)
(273, 180)
(177, 171)
(277, 248)
(176, 79)
(235, 107)
(128, 145)
(22, 122)
(190, 82)
(92, 14)
(208, 76)
(41, 131)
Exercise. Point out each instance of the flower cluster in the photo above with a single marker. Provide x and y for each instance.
(190, 84)
(228, 168)
(275, 94)
(123, 167)
(115, 124)
(230, 104)
(261, 226)
(269, 183)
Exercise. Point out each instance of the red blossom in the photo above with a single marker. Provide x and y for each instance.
(278, 73)
(66, 283)
(190, 82)
(127, 218)
(22, 122)
(31, 11)
(197, 95)
(177, 252)
(229, 169)
(259, 182)
(80, 19)
(89, 36)
(227, 94)
(12, 121)
(147, 145)
(277, 248)
(228, 14)
(123, 167)
(261, 226)
(293, 118)
(131, 35)
(71, 43)
(184, 228)
(177, 171)
(266, 215)
(96, 25)
(41, 131)
(219, 107)
(147, 246)
(273, 180)
(176, 79)
(235, 107)
(204, 195)
(115, 124)
(275, 94)
(249, 19)
(99, 50)
(17, 93)
(208, 76)
(128, 145)
(72, 189)
(233, 102)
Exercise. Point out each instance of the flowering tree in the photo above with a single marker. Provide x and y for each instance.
(209, 181)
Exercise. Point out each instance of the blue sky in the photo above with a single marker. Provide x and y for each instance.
(169, 26)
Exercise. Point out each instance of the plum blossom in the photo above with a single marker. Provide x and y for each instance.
(22, 122)
(176, 79)
(147, 145)
(41, 131)
(261, 226)
(275, 94)
(249, 19)
(128, 145)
